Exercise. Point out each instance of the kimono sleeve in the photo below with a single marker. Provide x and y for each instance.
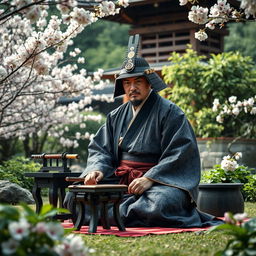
(100, 150)
(179, 164)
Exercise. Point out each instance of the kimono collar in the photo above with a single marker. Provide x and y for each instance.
(135, 112)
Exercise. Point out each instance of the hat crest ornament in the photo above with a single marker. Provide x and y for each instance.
(132, 51)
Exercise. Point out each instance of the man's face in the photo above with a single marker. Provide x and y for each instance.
(136, 89)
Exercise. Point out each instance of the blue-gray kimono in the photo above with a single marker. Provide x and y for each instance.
(161, 134)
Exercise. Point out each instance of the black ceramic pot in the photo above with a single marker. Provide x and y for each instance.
(218, 198)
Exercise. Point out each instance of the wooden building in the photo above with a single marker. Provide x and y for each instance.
(164, 27)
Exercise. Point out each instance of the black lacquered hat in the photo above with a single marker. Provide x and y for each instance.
(136, 66)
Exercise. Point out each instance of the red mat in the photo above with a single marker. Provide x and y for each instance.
(133, 232)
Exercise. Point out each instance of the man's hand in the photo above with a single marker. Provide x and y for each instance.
(139, 185)
(92, 178)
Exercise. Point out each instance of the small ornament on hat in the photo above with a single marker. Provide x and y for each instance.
(133, 44)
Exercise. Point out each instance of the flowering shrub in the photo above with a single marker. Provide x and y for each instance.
(23, 232)
(242, 114)
(196, 82)
(243, 232)
(229, 171)
(218, 14)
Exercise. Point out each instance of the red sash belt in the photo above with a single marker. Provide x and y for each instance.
(130, 170)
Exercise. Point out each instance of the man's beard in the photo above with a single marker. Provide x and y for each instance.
(136, 103)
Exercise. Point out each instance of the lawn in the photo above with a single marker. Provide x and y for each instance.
(172, 244)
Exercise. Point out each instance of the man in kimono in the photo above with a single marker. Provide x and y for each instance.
(149, 145)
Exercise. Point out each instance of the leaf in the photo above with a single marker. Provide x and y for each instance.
(250, 252)
(230, 229)
(250, 225)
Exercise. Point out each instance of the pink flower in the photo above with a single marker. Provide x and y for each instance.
(228, 218)
(20, 229)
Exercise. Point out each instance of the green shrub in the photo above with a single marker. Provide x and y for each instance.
(196, 81)
(14, 169)
(249, 189)
(242, 174)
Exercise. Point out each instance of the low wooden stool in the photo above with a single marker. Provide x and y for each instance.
(97, 196)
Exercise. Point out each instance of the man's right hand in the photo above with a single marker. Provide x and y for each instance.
(92, 178)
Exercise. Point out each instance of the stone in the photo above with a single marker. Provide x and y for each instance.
(12, 193)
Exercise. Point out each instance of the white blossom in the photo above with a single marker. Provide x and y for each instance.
(238, 155)
(123, 3)
(253, 111)
(80, 60)
(216, 104)
(198, 14)
(19, 229)
(72, 245)
(240, 217)
(236, 111)
(232, 99)
(54, 230)
(249, 7)
(219, 119)
(183, 2)
(201, 35)
(10, 246)
(228, 164)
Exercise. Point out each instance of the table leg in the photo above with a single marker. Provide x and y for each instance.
(36, 192)
(94, 206)
(104, 216)
(62, 194)
(53, 195)
(117, 217)
(79, 207)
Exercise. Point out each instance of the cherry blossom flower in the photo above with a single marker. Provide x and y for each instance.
(123, 3)
(72, 245)
(10, 246)
(219, 13)
(201, 35)
(19, 229)
(54, 230)
(228, 218)
(198, 14)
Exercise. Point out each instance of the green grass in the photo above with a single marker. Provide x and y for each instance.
(184, 244)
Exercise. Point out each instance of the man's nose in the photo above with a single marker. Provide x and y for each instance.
(133, 86)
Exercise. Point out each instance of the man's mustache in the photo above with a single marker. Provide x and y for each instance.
(134, 92)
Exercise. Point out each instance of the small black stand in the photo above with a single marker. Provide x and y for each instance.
(52, 175)
(97, 196)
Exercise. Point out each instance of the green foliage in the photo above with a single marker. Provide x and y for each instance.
(241, 174)
(219, 175)
(249, 188)
(195, 83)
(103, 45)
(25, 233)
(14, 169)
(244, 31)
(205, 127)
(244, 237)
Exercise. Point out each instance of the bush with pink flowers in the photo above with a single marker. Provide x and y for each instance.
(25, 233)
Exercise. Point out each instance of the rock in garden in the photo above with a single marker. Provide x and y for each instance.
(12, 193)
